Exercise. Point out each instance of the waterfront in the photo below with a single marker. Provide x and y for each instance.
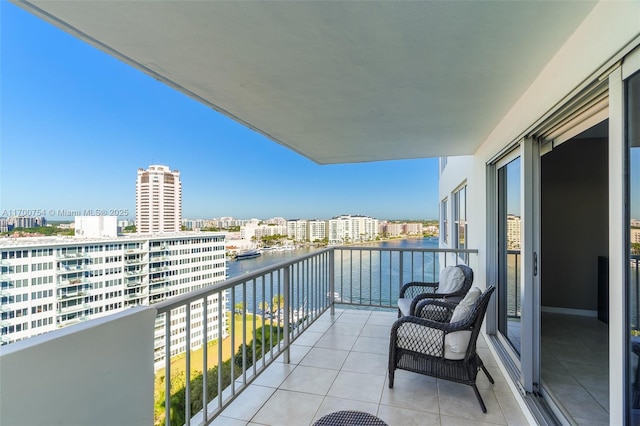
(272, 257)
(367, 274)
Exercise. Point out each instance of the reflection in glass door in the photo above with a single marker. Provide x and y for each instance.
(509, 259)
(633, 262)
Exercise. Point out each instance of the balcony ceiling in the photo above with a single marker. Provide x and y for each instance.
(338, 81)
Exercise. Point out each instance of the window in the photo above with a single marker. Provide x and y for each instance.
(460, 217)
(444, 221)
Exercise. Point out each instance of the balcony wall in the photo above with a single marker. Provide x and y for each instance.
(93, 373)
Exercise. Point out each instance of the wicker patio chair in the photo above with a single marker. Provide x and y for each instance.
(445, 350)
(455, 282)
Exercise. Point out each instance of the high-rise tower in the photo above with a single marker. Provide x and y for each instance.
(158, 200)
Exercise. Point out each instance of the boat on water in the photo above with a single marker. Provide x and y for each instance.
(336, 296)
(249, 254)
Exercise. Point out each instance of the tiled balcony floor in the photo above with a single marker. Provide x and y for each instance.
(340, 363)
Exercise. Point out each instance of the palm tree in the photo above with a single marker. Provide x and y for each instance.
(239, 307)
(264, 306)
(278, 302)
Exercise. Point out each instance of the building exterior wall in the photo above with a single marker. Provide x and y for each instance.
(158, 200)
(50, 283)
(297, 230)
(611, 30)
(316, 230)
(350, 229)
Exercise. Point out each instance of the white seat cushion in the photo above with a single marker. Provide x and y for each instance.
(404, 304)
(456, 343)
(451, 280)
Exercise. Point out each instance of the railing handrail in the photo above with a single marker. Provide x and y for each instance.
(404, 249)
(192, 296)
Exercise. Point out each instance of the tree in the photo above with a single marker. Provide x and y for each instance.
(239, 308)
(264, 306)
(635, 249)
(267, 333)
(130, 228)
(277, 302)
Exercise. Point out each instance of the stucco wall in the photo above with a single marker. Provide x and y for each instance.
(94, 373)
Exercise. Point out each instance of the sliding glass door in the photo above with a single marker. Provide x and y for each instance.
(633, 239)
(509, 259)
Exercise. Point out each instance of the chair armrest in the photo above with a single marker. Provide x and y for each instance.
(421, 335)
(428, 296)
(416, 287)
(435, 310)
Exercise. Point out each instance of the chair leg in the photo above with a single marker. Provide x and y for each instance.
(487, 373)
(475, 389)
(391, 372)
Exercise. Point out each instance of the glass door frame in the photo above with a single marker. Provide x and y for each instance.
(620, 154)
(522, 368)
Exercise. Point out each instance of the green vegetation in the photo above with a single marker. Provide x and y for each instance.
(270, 240)
(270, 335)
(42, 230)
(635, 248)
(129, 229)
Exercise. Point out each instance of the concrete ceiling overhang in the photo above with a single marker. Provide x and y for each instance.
(338, 82)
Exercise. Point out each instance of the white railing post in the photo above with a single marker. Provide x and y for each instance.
(287, 311)
(332, 283)
(401, 277)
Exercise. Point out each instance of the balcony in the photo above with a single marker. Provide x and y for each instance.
(70, 269)
(134, 272)
(75, 281)
(71, 295)
(137, 250)
(130, 296)
(73, 308)
(322, 356)
(134, 283)
(157, 289)
(74, 255)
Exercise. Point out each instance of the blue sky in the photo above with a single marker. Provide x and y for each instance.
(77, 124)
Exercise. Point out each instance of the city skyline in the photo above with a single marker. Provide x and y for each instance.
(77, 124)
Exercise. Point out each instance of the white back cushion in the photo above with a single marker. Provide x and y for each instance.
(451, 279)
(456, 343)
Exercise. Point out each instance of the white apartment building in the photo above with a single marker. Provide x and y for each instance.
(276, 221)
(48, 283)
(193, 224)
(297, 230)
(158, 200)
(413, 228)
(393, 229)
(253, 231)
(26, 221)
(316, 230)
(514, 225)
(350, 229)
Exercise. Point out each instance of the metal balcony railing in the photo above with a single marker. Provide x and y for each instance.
(514, 304)
(258, 315)
(634, 291)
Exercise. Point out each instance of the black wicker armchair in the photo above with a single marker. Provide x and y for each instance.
(445, 350)
(459, 280)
